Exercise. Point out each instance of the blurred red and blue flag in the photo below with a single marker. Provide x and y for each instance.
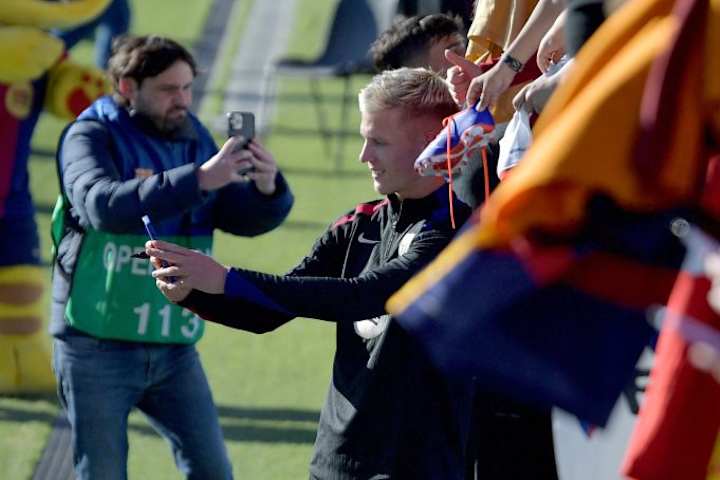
(552, 324)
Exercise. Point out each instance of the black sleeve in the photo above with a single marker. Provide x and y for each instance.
(324, 298)
(260, 213)
(263, 315)
(225, 310)
(327, 256)
(99, 196)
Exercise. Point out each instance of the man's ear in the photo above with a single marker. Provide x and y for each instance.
(127, 87)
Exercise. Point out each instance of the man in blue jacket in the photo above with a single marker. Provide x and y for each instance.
(118, 343)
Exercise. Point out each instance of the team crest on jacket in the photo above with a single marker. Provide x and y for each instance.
(372, 327)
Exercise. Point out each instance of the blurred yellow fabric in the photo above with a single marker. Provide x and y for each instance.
(15, 62)
(45, 14)
(495, 26)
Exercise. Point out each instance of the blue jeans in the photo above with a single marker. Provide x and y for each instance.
(99, 383)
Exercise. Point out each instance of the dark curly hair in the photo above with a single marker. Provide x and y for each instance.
(408, 39)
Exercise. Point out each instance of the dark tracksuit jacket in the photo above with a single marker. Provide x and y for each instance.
(388, 414)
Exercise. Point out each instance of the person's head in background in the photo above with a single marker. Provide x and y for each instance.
(419, 41)
(402, 110)
(153, 76)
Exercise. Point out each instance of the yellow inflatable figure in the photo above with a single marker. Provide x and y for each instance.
(35, 75)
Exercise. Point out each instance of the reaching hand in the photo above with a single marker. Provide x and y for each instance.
(460, 76)
(223, 167)
(468, 83)
(487, 88)
(189, 269)
(552, 45)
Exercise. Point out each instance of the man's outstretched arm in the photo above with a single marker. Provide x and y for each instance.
(245, 299)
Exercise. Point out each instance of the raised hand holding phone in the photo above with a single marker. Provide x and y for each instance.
(231, 163)
(241, 125)
(222, 168)
(265, 170)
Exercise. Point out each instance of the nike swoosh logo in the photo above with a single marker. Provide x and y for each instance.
(362, 239)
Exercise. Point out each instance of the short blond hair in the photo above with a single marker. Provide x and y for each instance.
(418, 91)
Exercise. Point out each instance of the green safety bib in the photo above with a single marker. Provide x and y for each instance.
(114, 295)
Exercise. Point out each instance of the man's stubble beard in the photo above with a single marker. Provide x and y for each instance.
(170, 124)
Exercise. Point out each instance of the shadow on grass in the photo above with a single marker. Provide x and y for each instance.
(252, 433)
(277, 414)
(271, 423)
(12, 414)
(269, 435)
(267, 431)
(50, 397)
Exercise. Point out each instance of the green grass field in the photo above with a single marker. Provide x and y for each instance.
(269, 389)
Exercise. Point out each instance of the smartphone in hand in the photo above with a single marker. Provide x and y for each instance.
(242, 125)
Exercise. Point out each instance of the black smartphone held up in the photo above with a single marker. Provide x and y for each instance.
(242, 124)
